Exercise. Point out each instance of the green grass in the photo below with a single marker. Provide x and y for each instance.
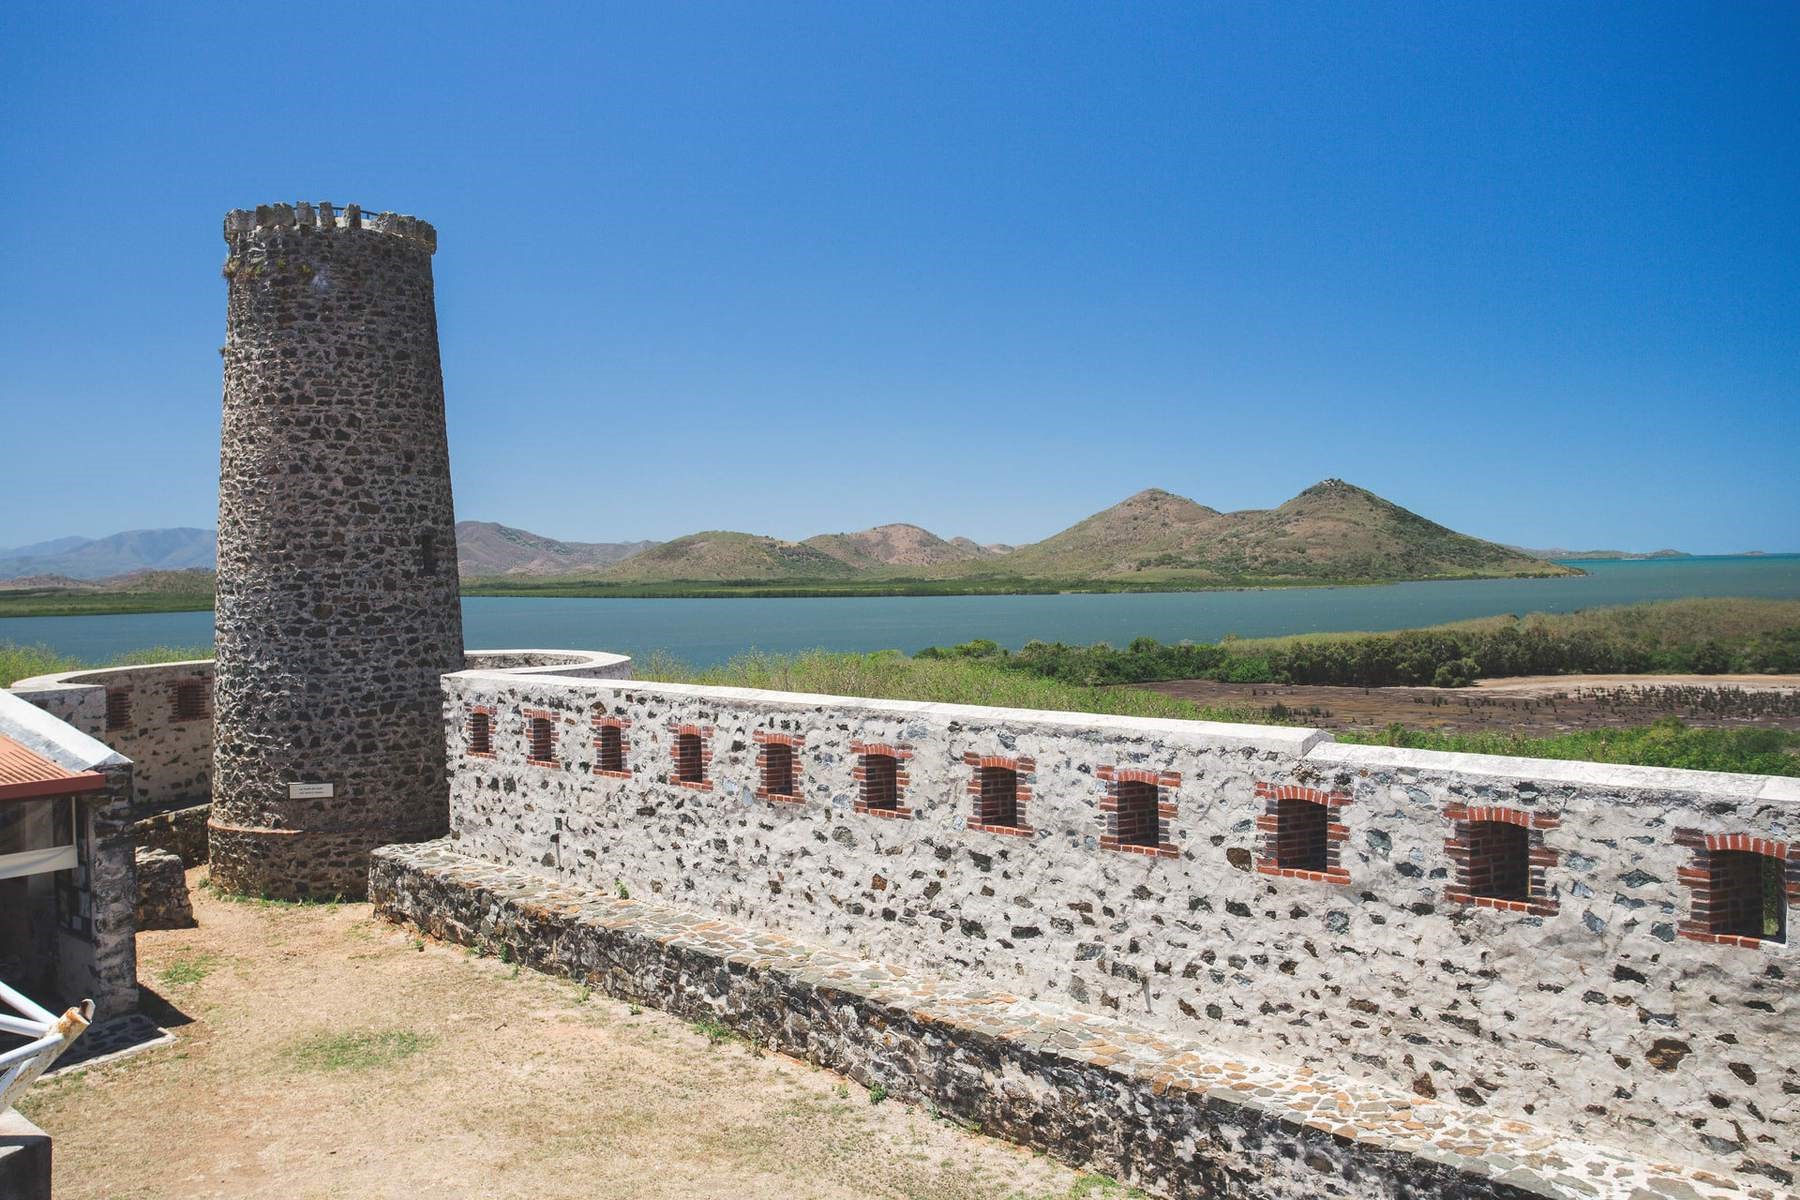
(22, 662)
(355, 1051)
(1667, 743)
(1657, 625)
(893, 676)
(890, 675)
(72, 602)
(189, 969)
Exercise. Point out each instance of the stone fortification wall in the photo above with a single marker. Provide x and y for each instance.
(337, 604)
(1599, 1003)
(158, 716)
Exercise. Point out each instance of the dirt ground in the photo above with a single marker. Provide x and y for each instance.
(329, 1054)
(1534, 705)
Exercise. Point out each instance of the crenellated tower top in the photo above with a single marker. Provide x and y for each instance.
(243, 222)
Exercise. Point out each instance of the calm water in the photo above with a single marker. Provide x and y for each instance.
(708, 631)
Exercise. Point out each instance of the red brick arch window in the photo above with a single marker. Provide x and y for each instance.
(1499, 858)
(881, 779)
(192, 700)
(118, 708)
(1742, 887)
(778, 766)
(481, 732)
(1000, 788)
(690, 749)
(540, 738)
(1138, 810)
(1301, 836)
(611, 747)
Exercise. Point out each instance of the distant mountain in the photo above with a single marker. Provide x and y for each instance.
(895, 546)
(719, 554)
(980, 551)
(484, 548)
(1331, 531)
(49, 549)
(1618, 555)
(102, 558)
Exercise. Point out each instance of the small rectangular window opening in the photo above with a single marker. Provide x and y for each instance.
(999, 796)
(190, 700)
(1138, 821)
(689, 767)
(610, 745)
(881, 781)
(543, 740)
(778, 769)
(1749, 895)
(1300, 842)
(1499, 860)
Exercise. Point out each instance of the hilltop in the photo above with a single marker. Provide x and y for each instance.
(899, 546)
(723, 555)
(1331, 532)
(485, 548)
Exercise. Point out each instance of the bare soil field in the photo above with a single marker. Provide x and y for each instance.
(1533, 706)
(328, 1054)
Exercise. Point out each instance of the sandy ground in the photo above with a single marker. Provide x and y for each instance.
(465, 1077)
(1532, 705)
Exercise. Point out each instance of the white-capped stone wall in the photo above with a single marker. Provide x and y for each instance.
(1586, 1008)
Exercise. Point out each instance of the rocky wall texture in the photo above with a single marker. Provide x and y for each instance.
(162, 892)
(180, 831)
(1581, 1006)
(337, 605)
(1179, 1117)
(159, 716)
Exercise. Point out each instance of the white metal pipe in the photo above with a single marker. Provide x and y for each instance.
(28, 1006)
(21, 1026)
(23, 1053)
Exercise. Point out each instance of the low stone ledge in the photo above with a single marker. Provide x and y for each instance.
(162, 891)
(180, 831)
(1165, 1114)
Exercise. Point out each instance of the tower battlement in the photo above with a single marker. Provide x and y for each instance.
(325, 216)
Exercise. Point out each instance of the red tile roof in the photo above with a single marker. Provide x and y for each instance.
(26, 775)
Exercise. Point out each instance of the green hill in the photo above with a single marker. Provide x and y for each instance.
(725, 555)
(1331, 531)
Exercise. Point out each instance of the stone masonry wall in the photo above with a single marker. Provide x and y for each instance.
(337, 604)
(1581, 1005)
(148, 714)
(1179, 1116)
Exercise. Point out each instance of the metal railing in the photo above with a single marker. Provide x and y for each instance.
(49, 1036)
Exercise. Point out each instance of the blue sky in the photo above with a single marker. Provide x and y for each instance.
(1532, 270)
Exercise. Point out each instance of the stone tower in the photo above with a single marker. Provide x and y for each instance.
(337, 594)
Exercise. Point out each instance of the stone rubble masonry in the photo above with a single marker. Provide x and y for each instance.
(337, 605)
(170, 753)
(180, 831)
(1181, 1116)
(1582, 1010)
(162, 892)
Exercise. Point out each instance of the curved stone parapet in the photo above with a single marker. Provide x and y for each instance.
(158, 715)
